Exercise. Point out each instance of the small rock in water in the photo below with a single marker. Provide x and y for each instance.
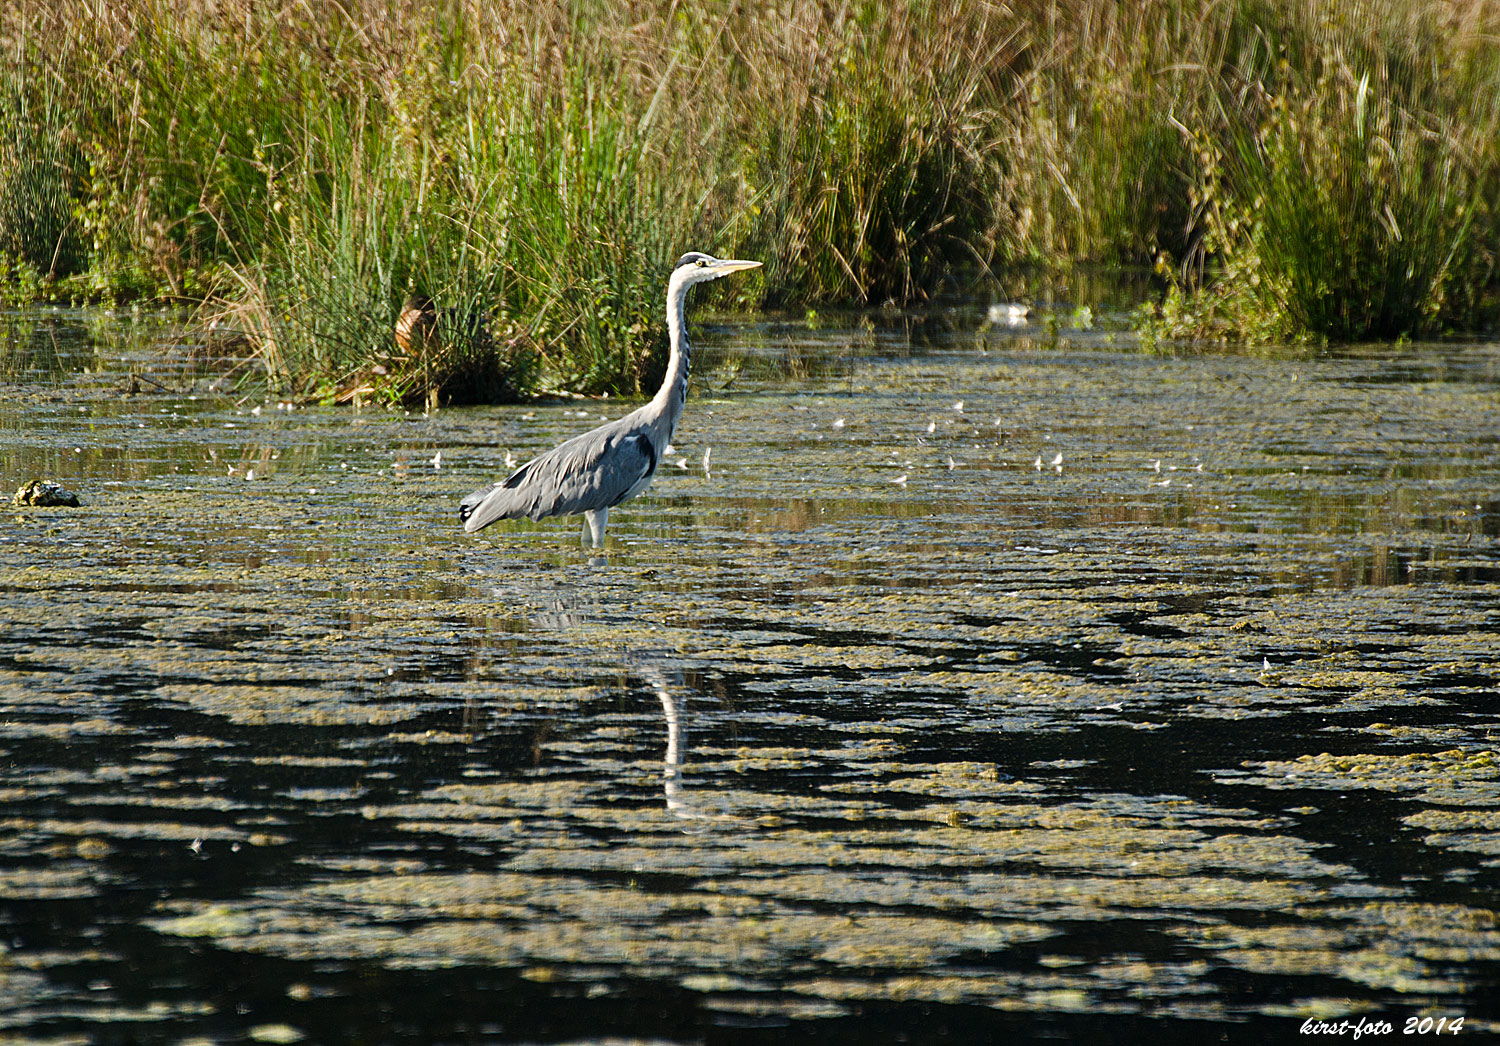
(43, 493)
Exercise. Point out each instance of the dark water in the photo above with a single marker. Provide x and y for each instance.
(987, 683)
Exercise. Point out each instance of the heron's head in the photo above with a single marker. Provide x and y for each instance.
(697, 267)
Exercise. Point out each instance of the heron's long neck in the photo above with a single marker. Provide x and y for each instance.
(666, 407)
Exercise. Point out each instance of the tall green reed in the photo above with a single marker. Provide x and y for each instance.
(365, 217)
(1343, 192)
(1092, 165)
(866, 177)
(581, 230)
(1293, 167)
(39, 175)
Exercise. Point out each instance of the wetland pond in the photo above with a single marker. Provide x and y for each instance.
(984, 685)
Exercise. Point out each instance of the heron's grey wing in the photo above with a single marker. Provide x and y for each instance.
(598, 469)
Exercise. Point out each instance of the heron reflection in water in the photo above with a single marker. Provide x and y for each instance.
(671, 778)
(681, 803)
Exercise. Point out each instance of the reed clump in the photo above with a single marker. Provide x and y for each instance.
(1350, 191)
(1290, 168)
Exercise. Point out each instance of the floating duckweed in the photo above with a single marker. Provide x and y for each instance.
(1455, 777)
(215, 921)
(261, 705)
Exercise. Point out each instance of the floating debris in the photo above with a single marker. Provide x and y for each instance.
(1012, 314)
(43, 493)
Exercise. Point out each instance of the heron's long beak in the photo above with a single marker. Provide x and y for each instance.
(724, 268)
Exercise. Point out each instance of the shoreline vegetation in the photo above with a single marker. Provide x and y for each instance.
(301, 172)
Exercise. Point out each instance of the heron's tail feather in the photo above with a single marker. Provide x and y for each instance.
(504, 500)
(482, 507)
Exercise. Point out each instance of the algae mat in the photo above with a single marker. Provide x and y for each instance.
(943, 685)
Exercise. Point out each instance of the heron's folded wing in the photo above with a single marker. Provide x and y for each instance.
(598, 469)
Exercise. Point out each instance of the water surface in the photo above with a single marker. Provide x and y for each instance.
(984, 681)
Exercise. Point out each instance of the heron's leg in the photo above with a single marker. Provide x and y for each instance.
(595, 520)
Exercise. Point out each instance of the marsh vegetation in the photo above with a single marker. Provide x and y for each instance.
(1288, 169)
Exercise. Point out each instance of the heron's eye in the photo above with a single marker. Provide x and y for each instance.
(701, 262)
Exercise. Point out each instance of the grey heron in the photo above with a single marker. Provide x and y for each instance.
(611, 464)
